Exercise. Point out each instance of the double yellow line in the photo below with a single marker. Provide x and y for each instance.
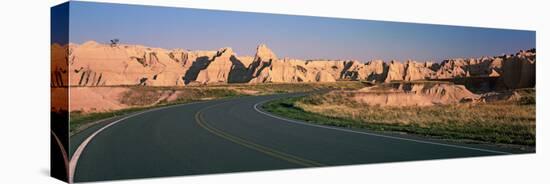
(271, 152)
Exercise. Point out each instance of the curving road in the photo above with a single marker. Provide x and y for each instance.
(233, 135)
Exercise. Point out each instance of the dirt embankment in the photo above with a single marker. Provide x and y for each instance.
(105, 99)
(411, 94)
(100, 99)
(86, 100)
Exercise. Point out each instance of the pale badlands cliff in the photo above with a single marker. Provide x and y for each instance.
(414, 94)
(94, 64)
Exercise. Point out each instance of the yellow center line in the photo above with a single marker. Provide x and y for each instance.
(263, 149)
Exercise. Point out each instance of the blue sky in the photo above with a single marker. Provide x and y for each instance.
(300, 37)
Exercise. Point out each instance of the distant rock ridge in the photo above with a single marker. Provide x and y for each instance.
(95, 64)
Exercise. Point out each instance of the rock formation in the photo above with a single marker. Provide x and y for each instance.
(396, 71)
(59, 65)
(95, 64)
(414, 94)
(416, 71)
(219, 68)
(264, 57)
(519, 71)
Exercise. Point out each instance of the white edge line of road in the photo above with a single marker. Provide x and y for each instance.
(370, 134)
(82, 146)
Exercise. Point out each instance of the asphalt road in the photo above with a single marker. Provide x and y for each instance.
(231, 135)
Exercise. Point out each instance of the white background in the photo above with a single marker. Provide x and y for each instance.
(24, 90)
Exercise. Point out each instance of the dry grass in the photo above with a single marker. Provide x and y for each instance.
(271, 88)
(146, 95)
(483, 113)
(500, 122)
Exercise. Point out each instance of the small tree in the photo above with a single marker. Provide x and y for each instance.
(114, 42)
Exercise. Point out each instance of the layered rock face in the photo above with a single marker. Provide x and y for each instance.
(519, 71)
(59, 65)
(396, 71)
(375, 70)
(411, 94)
(417, 71)
(219, 68)
(266, 67)
(292, 70)
(94, 64)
